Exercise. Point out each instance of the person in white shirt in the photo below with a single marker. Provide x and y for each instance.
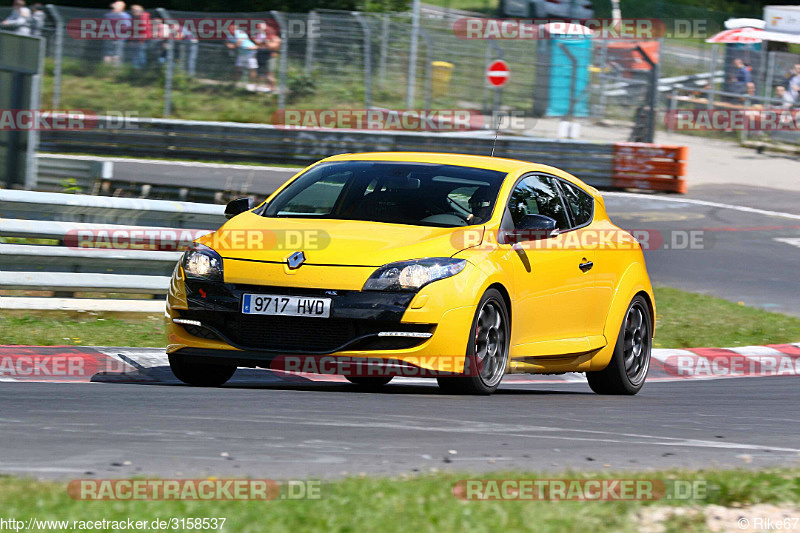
(245, 55)
(19, 21)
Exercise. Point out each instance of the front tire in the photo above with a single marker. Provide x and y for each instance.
(487, 349)
(627, 370)
(200, 374)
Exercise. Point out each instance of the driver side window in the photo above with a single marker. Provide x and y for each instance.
(537, 195)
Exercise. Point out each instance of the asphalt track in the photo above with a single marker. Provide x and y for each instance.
(742, 254)
(327, 430)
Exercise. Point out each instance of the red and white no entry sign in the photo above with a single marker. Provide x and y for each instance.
(497, 74)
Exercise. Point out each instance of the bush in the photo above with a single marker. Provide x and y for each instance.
(300, 85)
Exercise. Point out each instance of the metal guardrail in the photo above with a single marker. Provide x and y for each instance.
(96, 175)
(45, 206)
(52, 171)
(229, 141)
(29, 263)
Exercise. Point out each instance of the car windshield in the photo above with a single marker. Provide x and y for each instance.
(420, 194)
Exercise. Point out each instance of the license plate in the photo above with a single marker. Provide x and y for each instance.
(279, 304)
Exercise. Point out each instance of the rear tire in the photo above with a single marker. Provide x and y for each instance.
(627, 370)
(369, 382)
(200, 374)
(487, 349)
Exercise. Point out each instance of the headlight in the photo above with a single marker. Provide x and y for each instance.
(412, 275)
(200, 261)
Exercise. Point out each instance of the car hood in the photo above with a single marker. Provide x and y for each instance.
(251, 237)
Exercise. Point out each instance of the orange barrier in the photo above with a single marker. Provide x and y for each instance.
(650, 166)
(622, 53)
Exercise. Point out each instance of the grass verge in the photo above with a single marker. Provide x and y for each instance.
(60, 328)
(427, 503)
(684, 320)
(690, 320)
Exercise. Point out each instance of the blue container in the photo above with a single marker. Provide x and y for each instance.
(555, 75)
(567, 81)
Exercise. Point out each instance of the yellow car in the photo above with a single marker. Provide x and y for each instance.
(458, 267)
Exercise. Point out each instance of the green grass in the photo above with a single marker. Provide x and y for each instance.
(103, 89)
(684, 320)
(80, 329)
(423, 503)
(689, 320)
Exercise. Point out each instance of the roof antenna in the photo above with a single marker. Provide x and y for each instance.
(496, 130)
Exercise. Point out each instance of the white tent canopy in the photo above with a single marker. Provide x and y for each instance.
(742, 33)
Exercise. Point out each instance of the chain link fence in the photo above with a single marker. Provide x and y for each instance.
(335, 59)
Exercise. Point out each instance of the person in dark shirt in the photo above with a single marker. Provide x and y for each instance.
(121, 21)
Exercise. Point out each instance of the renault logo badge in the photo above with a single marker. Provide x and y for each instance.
(296, 260)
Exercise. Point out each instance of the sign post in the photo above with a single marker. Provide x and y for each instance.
(497, 75)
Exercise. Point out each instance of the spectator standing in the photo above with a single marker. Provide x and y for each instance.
(38, 19)
(142, 33)
(190, 45)
(121, 22)
(785, 96)
(245, 56)
(793, 85)
(268, 40)
(19, 21)
(742, 75)
(161, 35)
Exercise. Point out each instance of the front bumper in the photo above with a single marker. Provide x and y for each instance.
(363, 324)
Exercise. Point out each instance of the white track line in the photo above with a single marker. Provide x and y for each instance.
(704, 203)
(793, 241)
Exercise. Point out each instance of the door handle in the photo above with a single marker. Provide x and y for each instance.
(586, 267)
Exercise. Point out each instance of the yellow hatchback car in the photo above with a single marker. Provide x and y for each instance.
(376, 265)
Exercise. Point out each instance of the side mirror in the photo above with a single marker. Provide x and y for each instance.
(533, 228)
(238, 206)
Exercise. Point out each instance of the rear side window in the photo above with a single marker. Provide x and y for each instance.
(579, 202)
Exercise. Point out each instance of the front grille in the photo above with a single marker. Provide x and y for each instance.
(267, 332)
